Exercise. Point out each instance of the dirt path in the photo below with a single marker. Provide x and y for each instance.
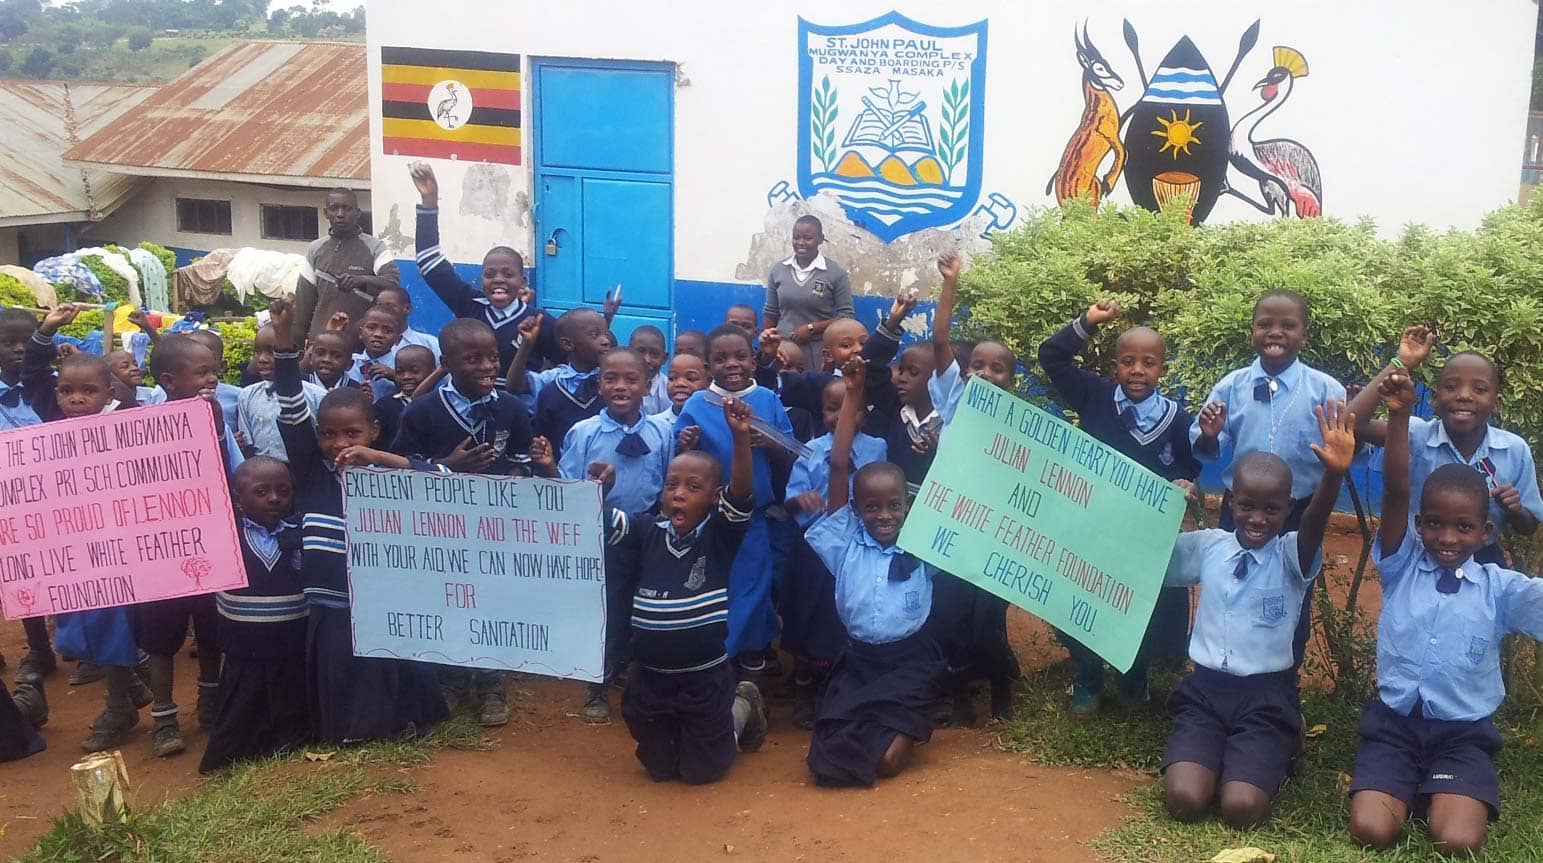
(556, 789)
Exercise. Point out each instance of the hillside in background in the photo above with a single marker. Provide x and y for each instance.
(148, 41)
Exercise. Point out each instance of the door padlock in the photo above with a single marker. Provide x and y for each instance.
(551, 248)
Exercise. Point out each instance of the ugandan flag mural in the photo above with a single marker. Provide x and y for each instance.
(462, 105)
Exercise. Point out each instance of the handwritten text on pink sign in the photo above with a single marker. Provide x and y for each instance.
(115, 509)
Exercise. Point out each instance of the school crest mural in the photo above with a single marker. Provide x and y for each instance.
(891, 120)
(1176, 141)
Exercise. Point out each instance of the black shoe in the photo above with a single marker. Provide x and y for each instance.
(963, 713)
(208, 705)
(39, 662)
(110, 730)
(86, 672)
(805, 705)
(1001, 700)
(597, 708)
(754, 732)
(30, 700)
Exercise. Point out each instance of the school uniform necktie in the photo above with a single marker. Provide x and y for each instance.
(1240, 571)
(901, 565)
(1265, 389)
(1450, 581)
(632, 444)
(587, 389)
(11, 398)
(482, 415)
(1128, 419)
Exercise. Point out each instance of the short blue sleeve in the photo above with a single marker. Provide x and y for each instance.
(832, 535)
(1394, 566)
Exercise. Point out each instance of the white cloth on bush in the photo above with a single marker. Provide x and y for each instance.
(152, 274)
(262, 271)
(119, 264)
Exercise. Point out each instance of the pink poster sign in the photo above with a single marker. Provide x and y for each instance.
(115, 509)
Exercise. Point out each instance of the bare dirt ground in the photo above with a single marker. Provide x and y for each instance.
(557, 789)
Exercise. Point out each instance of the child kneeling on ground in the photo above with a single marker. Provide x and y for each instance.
(881, 690)
(681, 703)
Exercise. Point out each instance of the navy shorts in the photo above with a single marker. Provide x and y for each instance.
(161, 627)
(683, 722)
(1244, 729)
(1411, 759)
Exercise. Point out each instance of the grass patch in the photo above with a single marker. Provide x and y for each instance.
(1312, 812)
(258, 812)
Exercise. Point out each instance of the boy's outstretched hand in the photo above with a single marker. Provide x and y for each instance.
(281, 315)
(337, 323)
(1337, 426)
(60, 316)
(1397, 392)
(139, 319)
(1415, 345)
(470, 457)
(904, 304)
(1102, 312)
(1213, 418)
(541, 453)
(949, 265)
(428, 186)
(771, 341)
(737, 414)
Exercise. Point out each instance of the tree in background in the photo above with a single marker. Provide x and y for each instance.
(140, 39)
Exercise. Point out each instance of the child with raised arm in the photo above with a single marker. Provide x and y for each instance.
(351, 698)
(1237, 717)
(1128, 413)
(257, 409)
(1269, 406)
(568, 392)
(969, 623)
(1465, 397)
(637, 448)
(1427, 741)
(503, 299)
(812, 630)
(101, 637)
(682, 704)
(880, 692)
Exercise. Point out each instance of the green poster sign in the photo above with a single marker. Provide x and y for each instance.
(1051, 519)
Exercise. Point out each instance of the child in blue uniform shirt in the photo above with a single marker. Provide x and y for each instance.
(682, 704)
(502, 301)
(1130, 415)
(686, 376)
(1268, 407)
(880, 692)
(1237, 718)
(568, 392)
(731, 362)
(648, 341)
(397, 297)
(1465, 397)
(351, 698)
(257, 409)
(969, 623)
(467, 424)
(16, 329)
(811, 627)
(380, 330)
(634, 450)
(262, 705)
(1427, 740)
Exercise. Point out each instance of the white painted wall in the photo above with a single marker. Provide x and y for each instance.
(1412, 107)
(152, 215)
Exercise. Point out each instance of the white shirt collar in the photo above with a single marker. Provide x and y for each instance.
(817, 264)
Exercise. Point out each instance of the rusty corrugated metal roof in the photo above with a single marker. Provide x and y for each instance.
(35, 130)
(293, 113)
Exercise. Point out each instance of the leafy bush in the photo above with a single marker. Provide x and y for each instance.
(238, 337)
(14, 293)
(85, 323)
(116, 287)
(167, 257)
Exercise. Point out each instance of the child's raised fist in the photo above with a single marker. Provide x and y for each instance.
(428, 186)
(687, 438)
(854, 372)
(337, 323)
(61, 315)
(1509, 498)
(904, 304)
(530, 327)
(1102, 312)
(541, 453)
(612, 302)
(1415, 345)
(738, 415)
(771, 340)
(949, 264)
(1397, 392)
(139, 319)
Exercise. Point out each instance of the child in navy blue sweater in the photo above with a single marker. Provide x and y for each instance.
(1130, 415)
(564, 394)
(682, 704)
(503, 300)
(414, 365)
(351, 698)
(468, 425)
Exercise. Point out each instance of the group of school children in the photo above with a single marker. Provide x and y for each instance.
(751, 498)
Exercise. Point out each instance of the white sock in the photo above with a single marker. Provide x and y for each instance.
(742, 710)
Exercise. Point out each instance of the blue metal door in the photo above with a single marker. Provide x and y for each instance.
(604, 209)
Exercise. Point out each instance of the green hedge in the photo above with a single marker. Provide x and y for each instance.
(14, 293)
(116, 287)
(1483, 289)
(238, 337)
